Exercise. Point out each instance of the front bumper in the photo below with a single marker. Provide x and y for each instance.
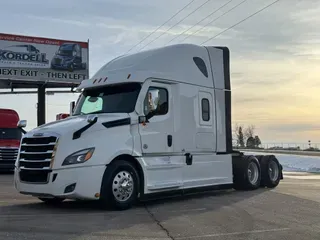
(87, 182)
(60, 66)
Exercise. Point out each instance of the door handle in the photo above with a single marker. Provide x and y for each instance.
(188, 159)
(169, 140)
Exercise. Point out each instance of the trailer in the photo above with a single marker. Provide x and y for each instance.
(10, 136)
(146, 124)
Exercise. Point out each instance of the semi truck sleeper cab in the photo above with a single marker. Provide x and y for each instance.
(153, 122)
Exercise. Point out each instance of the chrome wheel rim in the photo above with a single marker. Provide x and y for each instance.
(273, 171)
(122, 186)
(253, 173)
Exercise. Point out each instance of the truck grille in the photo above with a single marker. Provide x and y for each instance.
(8, 157)
(35, 159)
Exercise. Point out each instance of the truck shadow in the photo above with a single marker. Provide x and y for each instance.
(84, 218)
(5, 172)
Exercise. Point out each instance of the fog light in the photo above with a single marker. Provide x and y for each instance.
(70, 188)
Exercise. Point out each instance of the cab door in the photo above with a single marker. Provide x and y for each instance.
(157, 134)
(164, 169)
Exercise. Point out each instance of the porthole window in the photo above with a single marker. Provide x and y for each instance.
(205, 108)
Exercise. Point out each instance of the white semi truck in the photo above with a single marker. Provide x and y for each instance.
(149, 123)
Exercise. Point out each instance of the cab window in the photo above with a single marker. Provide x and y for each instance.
(156, 102)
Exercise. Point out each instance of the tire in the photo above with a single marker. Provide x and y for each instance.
(52, 201)
(259, 157)
(247, 173)
(270, 171)
(111, 196)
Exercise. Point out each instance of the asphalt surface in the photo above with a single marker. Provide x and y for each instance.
(291, 211)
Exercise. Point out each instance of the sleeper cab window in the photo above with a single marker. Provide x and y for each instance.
(201, 66)
(156, 102)
(205, 108)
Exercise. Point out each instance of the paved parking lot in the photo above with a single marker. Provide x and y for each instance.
(289, 212)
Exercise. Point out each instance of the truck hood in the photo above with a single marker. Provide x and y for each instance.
(74, 123)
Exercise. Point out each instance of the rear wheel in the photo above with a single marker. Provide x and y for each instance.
(259, 157)
(247, 173)
(120, 186)
(271, 171)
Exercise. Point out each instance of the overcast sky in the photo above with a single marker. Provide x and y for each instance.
(274, 55)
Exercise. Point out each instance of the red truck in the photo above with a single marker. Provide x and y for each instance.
(10, 136)
(61, 116)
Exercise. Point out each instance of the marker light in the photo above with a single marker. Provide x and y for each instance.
(53, 154)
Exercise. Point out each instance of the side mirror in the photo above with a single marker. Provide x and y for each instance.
(72, 105)
(92, 119)
(143, 119)
(22, 124)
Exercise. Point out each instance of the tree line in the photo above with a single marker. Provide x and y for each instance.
(245, 136)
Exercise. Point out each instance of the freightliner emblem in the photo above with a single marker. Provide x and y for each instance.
(38, 134)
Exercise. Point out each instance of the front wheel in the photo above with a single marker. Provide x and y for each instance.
(119, 185)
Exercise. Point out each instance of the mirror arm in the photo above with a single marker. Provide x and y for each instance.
(150, 115)
(22, 130)
(77, 134)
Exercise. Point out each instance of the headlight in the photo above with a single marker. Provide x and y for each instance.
(79, 157)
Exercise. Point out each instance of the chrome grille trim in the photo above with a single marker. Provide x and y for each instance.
(35, 157)
(8, 154)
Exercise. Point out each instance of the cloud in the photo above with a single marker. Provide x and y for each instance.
(293, 127)
(274, 55)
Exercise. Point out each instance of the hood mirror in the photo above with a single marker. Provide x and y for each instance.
(22, 124)
(92, 119)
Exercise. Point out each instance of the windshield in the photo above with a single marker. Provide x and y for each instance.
(10, 133)
(120, 98)
(66, 50)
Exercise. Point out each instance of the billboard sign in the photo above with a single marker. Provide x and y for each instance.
(26, 58)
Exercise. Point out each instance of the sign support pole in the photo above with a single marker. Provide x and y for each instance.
(41, 109)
